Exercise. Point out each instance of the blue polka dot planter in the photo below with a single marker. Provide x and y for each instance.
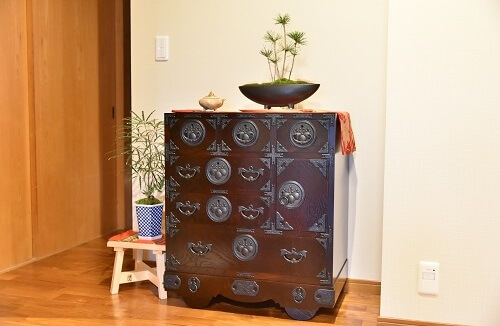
(149, 221)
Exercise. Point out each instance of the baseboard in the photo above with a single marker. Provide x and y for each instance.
(382, 321)
(362, 286)
(10, 268)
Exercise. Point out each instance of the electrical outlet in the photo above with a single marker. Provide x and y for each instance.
(428, 278)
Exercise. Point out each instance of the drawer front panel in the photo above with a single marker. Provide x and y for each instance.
(242, 134)
(208, 173)
(198, 250)
(217, 211)
(302, 192)
(192, 134)
(301, 135)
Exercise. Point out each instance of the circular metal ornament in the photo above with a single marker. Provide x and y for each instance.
(299, 294)
(303, 134)
(245, 247)
(192, 132)
(219, 208)
(291, 194)
(193, 284)
(245, 133)
(218, 171)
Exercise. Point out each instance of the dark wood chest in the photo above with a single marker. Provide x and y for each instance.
(256, 209)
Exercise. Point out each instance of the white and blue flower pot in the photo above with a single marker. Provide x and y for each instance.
(149, 221)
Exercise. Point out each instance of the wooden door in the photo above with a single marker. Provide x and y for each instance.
(15, 199)
(74, 95)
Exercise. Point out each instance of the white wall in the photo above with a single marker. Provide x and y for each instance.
(442, 170)
(214, 46)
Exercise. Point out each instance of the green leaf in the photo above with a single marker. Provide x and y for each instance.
(298, 37)
(282, 19)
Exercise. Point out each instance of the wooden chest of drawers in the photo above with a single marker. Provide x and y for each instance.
(256, 209)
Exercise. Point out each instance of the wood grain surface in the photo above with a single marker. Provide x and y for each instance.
(72, 288)
(74, 91)
(15, 185)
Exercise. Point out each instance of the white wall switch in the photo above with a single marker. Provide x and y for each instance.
(161, 48)
(428, 277)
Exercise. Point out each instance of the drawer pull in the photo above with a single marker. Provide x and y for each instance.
(187, 208)
(199, 248)
(250, 174)
(249, 212)
(293, 256)
(188, 172)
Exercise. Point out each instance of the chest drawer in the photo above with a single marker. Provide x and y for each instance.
(190, 135)
(247, 135)
(258, 256)
(234, 174)
(302, 135)
(217, 211)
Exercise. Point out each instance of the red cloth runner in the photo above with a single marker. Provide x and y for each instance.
(346, 135)
(132, 236)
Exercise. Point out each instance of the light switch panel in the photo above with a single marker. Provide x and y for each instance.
(161, 48)
(428, 277)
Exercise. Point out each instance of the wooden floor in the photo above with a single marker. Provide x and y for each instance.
(72, 288)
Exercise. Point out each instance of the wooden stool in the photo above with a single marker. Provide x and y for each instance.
(130, 240)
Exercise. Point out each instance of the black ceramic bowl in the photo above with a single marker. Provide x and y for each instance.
(278, 95)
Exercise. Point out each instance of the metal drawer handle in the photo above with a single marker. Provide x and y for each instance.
(293, 256)
(252, 212)
(188, 172)
(250, 174)
(187, 208)
(199, 248)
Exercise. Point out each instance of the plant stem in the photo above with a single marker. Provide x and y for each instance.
(284, 50)
(293, 62)
(294, 53)
(276, 68)
(270, 71)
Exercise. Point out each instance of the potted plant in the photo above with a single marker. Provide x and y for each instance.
(280, 54)
(144, 153)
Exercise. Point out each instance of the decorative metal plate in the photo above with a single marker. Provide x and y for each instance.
(291, 194)
(245, 247)
(303, 134)
(171, 282)
(219, 208)
(300, 314)
(218, 171)
(325, 297)
(192, 132)
(193, 284)
(249, 288)
(320, 225)
(245, 133)
(299, 294)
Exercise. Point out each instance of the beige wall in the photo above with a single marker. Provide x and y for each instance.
(442, 172)
(214, 46)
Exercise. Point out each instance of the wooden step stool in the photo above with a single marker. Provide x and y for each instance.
(130, 240)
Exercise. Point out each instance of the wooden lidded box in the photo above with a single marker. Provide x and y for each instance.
(256, 209)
